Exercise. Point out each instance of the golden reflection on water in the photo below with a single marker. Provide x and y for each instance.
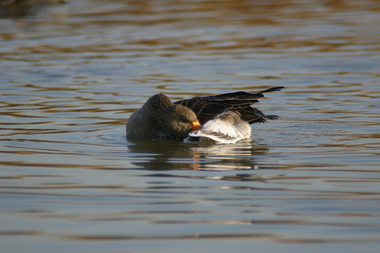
(72, 74)
(167, 155)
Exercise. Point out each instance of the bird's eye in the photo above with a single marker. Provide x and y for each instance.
(183, 120)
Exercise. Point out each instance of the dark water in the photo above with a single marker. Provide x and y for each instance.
(72, 73)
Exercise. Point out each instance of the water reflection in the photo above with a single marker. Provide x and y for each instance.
(22, 8)
(71, 75)
(174, 155)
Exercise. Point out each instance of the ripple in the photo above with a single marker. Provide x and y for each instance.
(74, 72)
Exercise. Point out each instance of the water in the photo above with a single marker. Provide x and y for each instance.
(72, 73)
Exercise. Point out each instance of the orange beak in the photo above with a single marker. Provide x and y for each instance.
(196, 125)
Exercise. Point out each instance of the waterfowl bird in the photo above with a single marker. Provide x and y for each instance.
(224, 118)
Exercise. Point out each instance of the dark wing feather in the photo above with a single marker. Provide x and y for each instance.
(208, 107)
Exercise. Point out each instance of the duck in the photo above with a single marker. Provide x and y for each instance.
(224, 118)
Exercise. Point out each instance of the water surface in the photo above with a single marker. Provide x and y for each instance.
(72, 73)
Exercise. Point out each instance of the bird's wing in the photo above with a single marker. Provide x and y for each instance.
(207, 108)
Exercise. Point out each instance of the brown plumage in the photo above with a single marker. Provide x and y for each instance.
(160, 118)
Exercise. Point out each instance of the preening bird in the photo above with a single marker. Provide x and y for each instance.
(224, 118)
